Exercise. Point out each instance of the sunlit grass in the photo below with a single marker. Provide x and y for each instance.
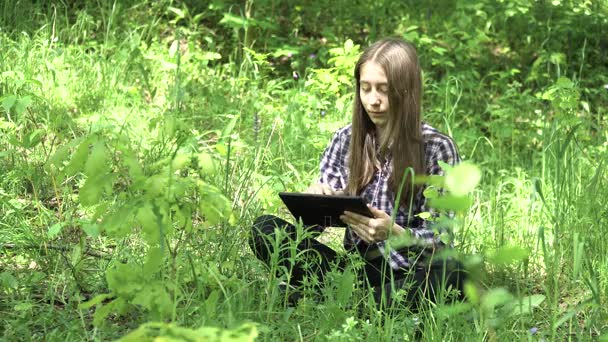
(547, 208)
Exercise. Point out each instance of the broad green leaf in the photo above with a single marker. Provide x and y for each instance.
(425, 215)
(494, 298)
(117, 306)
(135, 171)
(507, 255)
(180, 14)
(119, 223)
(54, 230)
(25, 306)
(124, 279)
(449, 202)
(91, 229)
(453, 310)
(154, 297)
(79, 158)
(205, 163)
(8, 102)
(471, 292)
(210, 56)
(157, 185)
(154, 261)
(97, 163)
(230, 126)
(149, 224)
(8, 281)
(211, 303)
(33, 138)
(348, 45)
(233, 21)
(430, 192)
(181, 161)
(22, 104)
(173, 48)
(462, 179)
(214, 206)
(527, 304)
(59, 156)
(92, 191)
(345, 287)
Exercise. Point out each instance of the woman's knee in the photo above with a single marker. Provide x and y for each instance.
(266, 224)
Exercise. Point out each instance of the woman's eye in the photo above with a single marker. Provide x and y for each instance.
(383, 90)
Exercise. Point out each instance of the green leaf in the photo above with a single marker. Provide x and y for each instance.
(210, 56)
(54, 230)
(149, 224)
(214, 206)
(97, 163)
(430, 192)
(22, 104)
(59, 156)
(179, 13)
(155, 298)
(25, 306)
(527, 304)
(205, 163)
(507, 255)
(79, 158)
(92, 190)
(230, 127)
(181, 161)
(157, 185)
(95, 300)
(117, 306)
(124, 279)
(449, 202)
(154, 261)
(462, 179)
(233, 21)
(33, 138)
(211, 303)
(119, 223)
(91, 229)
(425, 215)
(131, 163)
(8, 102)
(8, 281)
(494, 298)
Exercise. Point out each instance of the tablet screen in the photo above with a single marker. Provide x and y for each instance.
(323, 210)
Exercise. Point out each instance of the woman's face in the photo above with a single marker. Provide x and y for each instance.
(374, 93)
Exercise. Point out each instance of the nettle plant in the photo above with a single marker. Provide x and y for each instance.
(156, 204)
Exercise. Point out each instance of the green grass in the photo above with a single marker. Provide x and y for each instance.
(205, 146)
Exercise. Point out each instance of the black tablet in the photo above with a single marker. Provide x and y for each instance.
(323, 210)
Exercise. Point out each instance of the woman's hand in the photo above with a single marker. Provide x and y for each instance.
(374, 229)
(322, 189)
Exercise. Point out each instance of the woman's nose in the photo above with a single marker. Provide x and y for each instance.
(375, 99)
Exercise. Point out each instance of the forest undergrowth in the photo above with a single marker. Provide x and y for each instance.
(139, 140)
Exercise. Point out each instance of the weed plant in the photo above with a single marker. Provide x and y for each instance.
(139, 141)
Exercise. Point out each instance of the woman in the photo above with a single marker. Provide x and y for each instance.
(385, 142)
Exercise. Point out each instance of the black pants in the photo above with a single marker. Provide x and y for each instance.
(304, 256)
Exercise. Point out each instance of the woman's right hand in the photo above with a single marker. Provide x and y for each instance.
(322, 189)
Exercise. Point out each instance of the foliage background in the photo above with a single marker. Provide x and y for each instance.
(139, 139)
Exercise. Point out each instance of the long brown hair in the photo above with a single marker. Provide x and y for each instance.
(402, 140)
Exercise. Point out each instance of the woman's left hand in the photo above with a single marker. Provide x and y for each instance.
(369, 229)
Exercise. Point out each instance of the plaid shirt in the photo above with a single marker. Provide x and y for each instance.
(334, 172)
